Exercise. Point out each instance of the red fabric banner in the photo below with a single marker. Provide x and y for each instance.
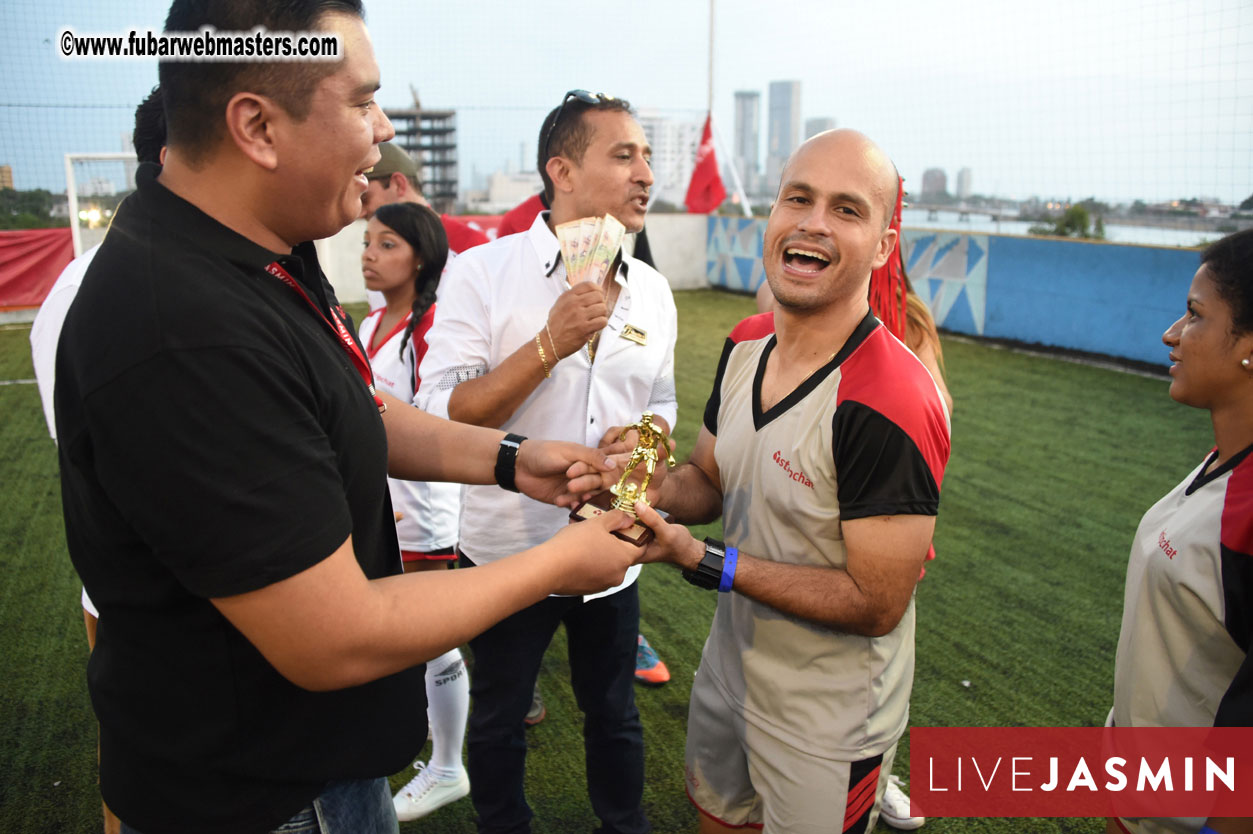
(1081, 771)
(30, 261)
(488, 224)
(705, 192)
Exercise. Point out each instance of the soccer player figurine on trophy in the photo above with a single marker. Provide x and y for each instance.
(623, 494)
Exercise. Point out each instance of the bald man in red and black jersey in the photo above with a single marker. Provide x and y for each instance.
(823, 449)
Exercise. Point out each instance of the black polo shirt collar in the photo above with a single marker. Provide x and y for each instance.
(209, 234)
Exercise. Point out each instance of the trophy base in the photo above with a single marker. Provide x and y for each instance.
(602, 502)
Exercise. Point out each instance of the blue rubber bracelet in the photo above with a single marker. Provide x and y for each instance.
(1205, 829)
(728, 570)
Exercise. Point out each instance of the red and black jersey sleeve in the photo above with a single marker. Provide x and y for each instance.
(460, 236)
(1236, 538)
(751, 328)
(890, 435)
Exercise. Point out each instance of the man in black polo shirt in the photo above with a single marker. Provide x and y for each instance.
(223, 459)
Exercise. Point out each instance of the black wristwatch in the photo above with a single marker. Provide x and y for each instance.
(709, 572)
(507, 461)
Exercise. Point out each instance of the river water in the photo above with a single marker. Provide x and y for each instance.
(1114, 233)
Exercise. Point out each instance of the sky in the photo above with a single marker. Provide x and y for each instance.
(1114, 99)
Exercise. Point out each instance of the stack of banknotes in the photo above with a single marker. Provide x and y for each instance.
(589, 247)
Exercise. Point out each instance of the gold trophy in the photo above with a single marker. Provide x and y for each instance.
(623, 495)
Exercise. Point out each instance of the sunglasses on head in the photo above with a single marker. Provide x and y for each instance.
(579, 95)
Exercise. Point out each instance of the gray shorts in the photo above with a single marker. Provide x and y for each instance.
(742, 777)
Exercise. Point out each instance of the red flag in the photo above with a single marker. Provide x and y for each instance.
(705, 193)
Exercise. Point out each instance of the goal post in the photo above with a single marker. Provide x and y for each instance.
(94, 184)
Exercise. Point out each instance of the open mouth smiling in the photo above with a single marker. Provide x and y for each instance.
(805, 260)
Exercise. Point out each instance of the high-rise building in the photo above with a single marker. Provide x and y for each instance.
(430, 137)
(674, 144)
(815, 126)
(964, 180)
(6, 176)
(934, 183)
(747, 133)
(785, 128)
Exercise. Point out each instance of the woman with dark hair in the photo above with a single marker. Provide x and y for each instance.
(1183, 652)
(405, 252)
(923, 338)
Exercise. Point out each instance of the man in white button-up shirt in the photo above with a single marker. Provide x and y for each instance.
(516, 347)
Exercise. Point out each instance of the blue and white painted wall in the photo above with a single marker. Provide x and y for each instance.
(1108, 298)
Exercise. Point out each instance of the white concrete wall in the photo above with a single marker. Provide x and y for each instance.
(677, 242)
(340, 257)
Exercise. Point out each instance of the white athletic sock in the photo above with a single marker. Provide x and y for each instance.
(448, 704)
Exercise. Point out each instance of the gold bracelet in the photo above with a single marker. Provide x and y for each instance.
(543, 359)
(552, 343)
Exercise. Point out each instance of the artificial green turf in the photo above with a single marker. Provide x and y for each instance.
(1053, 464)
(47, 732)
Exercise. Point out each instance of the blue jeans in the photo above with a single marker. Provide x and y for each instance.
(361, 806)
(602, 641)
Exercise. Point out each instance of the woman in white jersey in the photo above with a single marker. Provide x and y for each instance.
(1183, 652)
(405, 251)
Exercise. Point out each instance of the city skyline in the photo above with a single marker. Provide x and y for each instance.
(1142, 101)
(783, 129)
(747, 153)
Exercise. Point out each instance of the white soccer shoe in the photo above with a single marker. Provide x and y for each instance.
(425, 793)
(894, 807)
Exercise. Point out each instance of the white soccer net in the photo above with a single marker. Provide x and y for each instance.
(1142, 107)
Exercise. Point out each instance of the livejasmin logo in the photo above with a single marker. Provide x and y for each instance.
(797, 475)
(1082, 771)
(1023, 776)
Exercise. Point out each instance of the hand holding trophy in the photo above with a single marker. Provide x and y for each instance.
(624, 494)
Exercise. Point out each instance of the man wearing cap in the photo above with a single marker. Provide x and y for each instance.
(516, 347)
(395, 180)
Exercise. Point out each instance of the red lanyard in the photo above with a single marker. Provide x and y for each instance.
(341, 332)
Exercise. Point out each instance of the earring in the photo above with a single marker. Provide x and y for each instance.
(1244, 362)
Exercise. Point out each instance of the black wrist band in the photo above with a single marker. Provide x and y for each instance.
(708, 573)
(507, 461)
